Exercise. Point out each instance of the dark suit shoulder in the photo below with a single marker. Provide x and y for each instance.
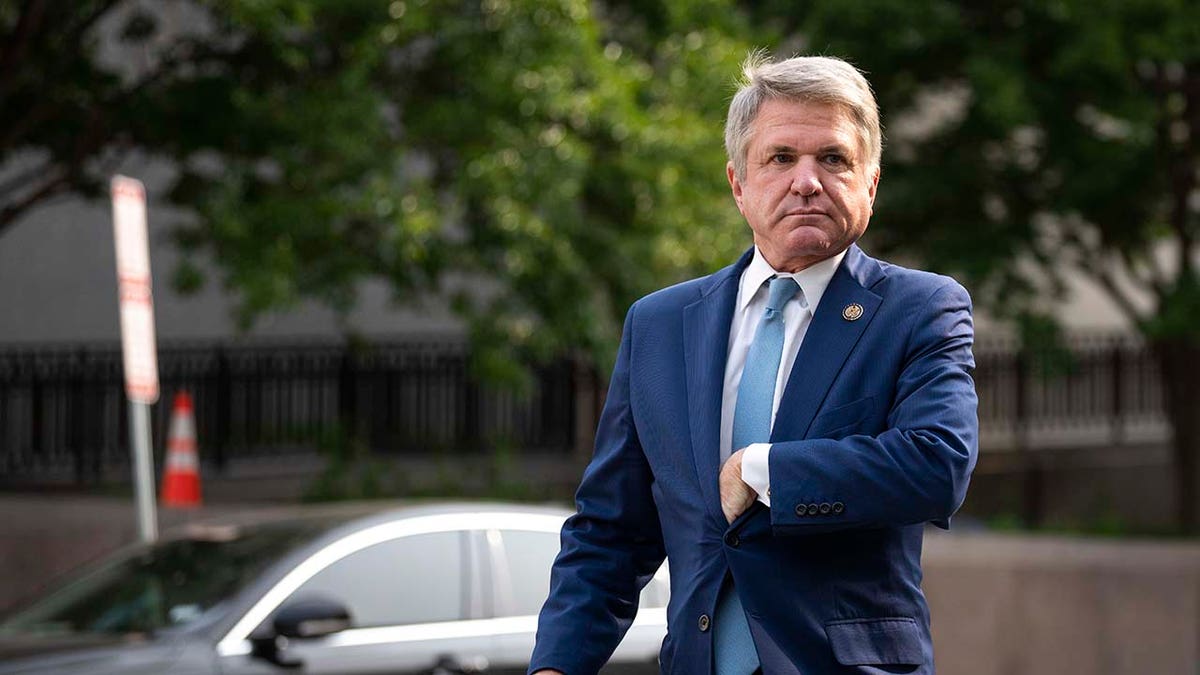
(904, 285)
(681, 294)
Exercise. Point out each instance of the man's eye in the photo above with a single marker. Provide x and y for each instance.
(834, 159)
(781, 158)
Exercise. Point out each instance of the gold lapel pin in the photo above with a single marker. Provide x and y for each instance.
(852, 312)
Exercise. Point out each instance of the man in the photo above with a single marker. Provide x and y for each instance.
(780, 430)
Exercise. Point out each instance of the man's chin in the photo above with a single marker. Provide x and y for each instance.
(811, 244)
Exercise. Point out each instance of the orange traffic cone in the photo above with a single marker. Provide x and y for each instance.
(181, 473)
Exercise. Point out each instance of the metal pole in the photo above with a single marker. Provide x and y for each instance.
(139, 435)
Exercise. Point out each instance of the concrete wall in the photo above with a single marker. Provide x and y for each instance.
(58, 283)
(1002, 604)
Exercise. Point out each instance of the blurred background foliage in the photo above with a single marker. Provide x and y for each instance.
(542, 163)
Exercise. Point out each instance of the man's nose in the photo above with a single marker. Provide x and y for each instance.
(806, 180)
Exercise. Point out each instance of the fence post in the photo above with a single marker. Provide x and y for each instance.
(36, 441)
(75, 417)
(224, 405)
(7, 459)
(472, 413)
(586, 406)
(1031, 497)
(1118, 399)
(347, 405)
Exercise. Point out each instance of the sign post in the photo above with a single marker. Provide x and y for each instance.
(140, 355)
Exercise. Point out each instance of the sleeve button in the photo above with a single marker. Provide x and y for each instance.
(838, 507)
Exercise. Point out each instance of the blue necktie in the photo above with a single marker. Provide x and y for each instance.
(732, 642)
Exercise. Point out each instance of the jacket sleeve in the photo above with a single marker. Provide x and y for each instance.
(918, 468)
(610, 547)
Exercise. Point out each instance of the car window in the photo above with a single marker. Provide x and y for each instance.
(414, 579)
(164, 585)
(527, 559)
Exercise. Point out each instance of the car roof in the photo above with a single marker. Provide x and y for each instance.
(349, 519)
(353, 515)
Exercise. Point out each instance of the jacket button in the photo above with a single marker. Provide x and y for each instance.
(825, 508)
(813, 509)
(838, 507)
(732, 539)
(801, 510)
(703, 623)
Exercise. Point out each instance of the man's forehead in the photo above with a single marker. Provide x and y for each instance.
(786, 123)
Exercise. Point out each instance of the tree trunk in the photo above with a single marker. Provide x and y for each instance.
(1179, 363)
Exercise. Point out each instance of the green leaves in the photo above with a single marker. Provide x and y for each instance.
(1063, 149)
(563, 157)
(544, 163)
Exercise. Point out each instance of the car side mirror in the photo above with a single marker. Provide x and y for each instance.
(300, 619)
(311, 618)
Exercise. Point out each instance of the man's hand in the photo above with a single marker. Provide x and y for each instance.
(736, 496)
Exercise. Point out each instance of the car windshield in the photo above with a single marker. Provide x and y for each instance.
(169, 584)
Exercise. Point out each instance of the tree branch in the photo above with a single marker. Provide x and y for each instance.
(1108, 282)
(39, 113)
(56, 185)
(77, 31)
(23, 32)
(97, 132)
(15, 44)
(1183, 181)
(1154, 279)
(17, 182)
(1091, 262)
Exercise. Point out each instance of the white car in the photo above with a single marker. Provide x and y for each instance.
(450, 588)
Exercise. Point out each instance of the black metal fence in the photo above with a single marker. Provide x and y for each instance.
(1099, 389)
(63, 411)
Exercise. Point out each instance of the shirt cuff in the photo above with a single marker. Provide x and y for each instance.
(756, 471)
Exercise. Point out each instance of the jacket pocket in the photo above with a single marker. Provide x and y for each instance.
(865, 642)
(832, 422)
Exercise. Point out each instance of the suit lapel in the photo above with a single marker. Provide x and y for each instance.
(828, 342)
(706, 349)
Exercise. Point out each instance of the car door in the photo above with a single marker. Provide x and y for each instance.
(413, 601)
(521, 558)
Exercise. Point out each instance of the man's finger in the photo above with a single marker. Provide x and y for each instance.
(735, 501)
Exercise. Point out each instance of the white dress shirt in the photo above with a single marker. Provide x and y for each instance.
(797, 315)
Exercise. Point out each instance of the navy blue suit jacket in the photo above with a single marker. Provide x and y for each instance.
(876, 435)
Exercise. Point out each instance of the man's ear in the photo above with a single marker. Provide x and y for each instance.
(874, 185)
(734, 184)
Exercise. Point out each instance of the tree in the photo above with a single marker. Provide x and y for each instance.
(540, 163)
(1051, 138)
(544, 162)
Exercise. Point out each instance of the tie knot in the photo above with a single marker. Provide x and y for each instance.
(782, 289)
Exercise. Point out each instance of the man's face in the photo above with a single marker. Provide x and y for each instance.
(809, 186)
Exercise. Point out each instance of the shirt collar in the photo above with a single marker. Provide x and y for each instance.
(813, 280)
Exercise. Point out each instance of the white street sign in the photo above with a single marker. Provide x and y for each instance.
(133, 281)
